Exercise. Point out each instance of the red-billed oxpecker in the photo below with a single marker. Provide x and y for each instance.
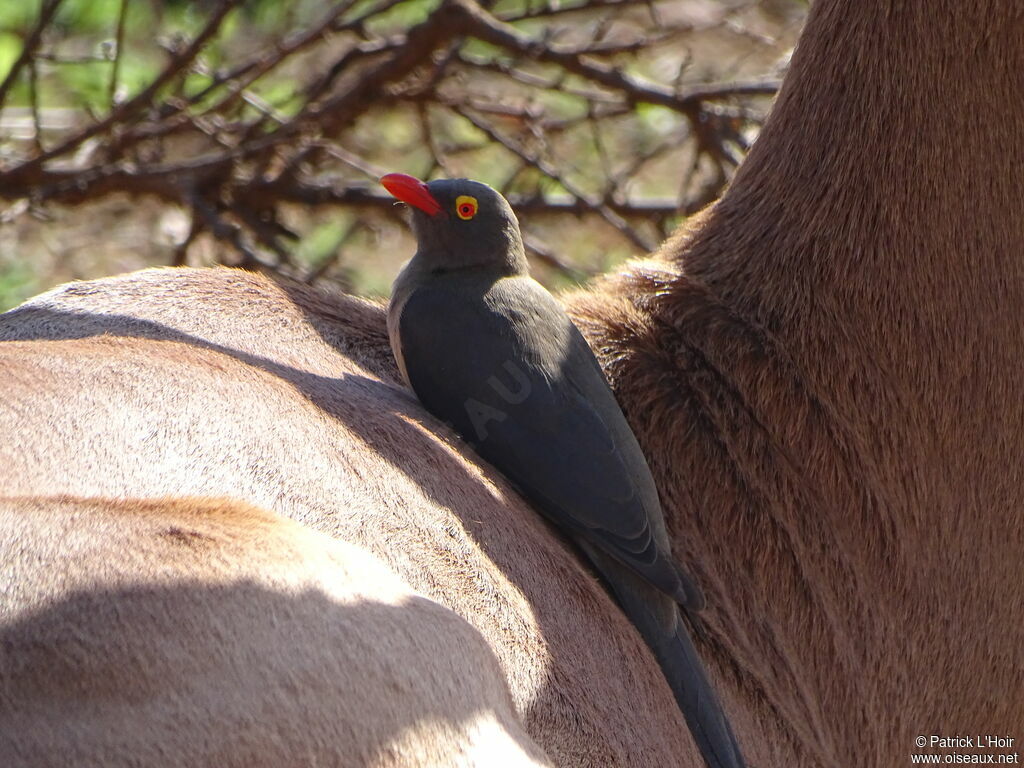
(491, 352)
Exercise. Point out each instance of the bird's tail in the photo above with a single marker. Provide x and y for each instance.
(697, 699)
(659, 622)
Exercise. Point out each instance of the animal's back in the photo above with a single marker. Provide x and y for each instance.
(206, 632)
(221, 383)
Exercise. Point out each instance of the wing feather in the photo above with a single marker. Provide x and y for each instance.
(507, 374)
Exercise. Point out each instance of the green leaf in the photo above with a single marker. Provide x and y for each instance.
(87, 83)
(80, 16)
(17, 283)
(402, 16)
(10, 50)
(321, 242)
(18, 17)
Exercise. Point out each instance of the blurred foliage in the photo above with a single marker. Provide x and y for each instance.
(588, 114)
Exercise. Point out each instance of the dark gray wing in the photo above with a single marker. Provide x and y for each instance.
(515, 378)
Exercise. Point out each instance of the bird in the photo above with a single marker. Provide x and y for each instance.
(491, 352)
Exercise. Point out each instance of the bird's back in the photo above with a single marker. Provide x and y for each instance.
(503, 364)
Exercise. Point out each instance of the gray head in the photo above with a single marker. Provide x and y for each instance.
(460, 223)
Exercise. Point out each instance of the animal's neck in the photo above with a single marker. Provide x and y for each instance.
(879, 214)
(826, 379)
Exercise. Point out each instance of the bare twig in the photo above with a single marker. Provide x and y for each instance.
(181, 251)
(546, 256)
(542, 98)
(171, 70)
(115, 69)
(29, 47)
(600, 207)
(33, 101)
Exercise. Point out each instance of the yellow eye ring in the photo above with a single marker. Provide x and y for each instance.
(465, 207)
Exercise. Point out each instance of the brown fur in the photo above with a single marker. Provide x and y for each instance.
(222, 383)
(196, 632)
(825, 375)
(827, 378)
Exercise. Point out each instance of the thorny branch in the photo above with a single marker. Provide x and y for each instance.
(545, 97)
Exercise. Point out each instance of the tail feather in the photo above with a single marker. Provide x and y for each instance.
(657, 618)
(697, 699)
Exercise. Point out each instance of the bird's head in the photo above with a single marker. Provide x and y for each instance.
(460, 223)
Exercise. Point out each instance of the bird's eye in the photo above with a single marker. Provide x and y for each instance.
(465, 207)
